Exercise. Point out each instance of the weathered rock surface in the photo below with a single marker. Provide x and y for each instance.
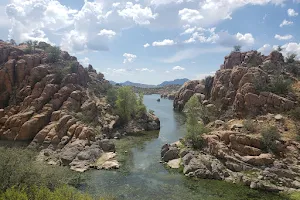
(54, 104)
(234, 86)
(239, 158)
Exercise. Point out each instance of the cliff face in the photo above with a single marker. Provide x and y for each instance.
(60, 106)
(234, 86)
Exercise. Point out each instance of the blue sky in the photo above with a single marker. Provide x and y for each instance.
(150, 41)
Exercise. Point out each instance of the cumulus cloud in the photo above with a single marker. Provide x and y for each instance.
(108, 33)
(285, 23)
(203, 35)
(137, 13)
(146, 45)
(145, 70)
(190, 15)
(283, 37)
(225, 39)
(178, 68)
(165, 42)
(292, 13)
(129, 58)
(266, 49)
(290, 48)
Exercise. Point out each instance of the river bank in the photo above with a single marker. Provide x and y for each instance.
(142, 176)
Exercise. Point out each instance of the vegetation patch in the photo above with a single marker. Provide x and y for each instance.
(270, 135)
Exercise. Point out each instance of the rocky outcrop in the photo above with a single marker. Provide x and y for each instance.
(235, 86)
(239, 158)
(57, 106)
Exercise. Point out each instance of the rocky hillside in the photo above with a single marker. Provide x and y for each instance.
(252, 107)
(58, 105)
(239, 85)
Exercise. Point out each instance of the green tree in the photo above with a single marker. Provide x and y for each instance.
(126, 103)
(112, 97)
(140, 107)
(53, 54)
(291, 58)
(237, 48)
(29, 48)
(195, 130)
(279, 48)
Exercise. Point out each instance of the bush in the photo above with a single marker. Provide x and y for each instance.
(249, 125)
(295, 113)
(237, 48)
(270, 135)
(290, 58)
(19, 169)
(151, 111)
(112, 96)
(294, 69)
(195, 130)
(279, 85)
(43, 193)
(53, 54)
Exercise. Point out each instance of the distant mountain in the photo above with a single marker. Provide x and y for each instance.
(175, 82)
(141, 85)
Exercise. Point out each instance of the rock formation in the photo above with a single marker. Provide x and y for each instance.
(250, 92)
(234, 86)
(60, 106)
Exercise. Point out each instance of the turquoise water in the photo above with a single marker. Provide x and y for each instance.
(142, 176)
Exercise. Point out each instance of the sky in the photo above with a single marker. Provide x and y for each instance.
(151, 41)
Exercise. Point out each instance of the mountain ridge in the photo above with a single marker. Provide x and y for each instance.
(141, 85)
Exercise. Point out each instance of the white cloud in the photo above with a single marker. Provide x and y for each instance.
(145, 70)
(85, 61)
(164, 2)
(266, 49)
(285, 23)
(108, 33)
(203, 36)
(167, 71)
(225, 39)
(165, 42)
(292, 13)
(138, 14)
(146, 45)
(188, 31)
(291, 48)
(190, 15)
(178, 68)
(129, 58)
(192, 53)
(283, 37)
(116, 4)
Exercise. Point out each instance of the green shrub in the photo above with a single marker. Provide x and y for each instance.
(53, 54)
(237, 48)
(112, 96)
(295, 113)
(128, 105)
(279, 85)
(249, 125)
(195, 130)
(18, 168)
(290, 58)
(270, 135)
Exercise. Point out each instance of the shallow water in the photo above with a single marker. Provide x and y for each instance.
(142, 176)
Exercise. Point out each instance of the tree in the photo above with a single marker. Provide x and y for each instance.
(112, 97)
(126, 103)
(35, 43)
(237, 48)
(28, 49)
(279, 48)
(291, 58)
(194, 129)
(53, 54)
